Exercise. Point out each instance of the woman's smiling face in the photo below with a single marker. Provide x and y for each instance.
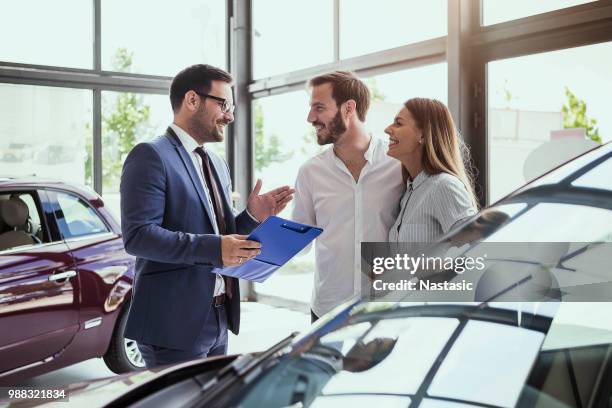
(404, 136)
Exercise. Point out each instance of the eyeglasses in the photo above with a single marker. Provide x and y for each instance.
(226, 106)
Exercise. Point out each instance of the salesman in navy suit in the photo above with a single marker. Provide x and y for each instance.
(178, 220)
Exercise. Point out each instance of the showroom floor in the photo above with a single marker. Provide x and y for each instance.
(261, 327)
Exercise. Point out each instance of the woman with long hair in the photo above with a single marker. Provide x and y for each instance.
(440, 190)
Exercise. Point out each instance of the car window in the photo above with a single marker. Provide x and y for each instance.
(580, 324)
(486, 223)
(574, 365)
(597, 177)
(20, 220)
(567, 169)
(558, 222)
(76, 218)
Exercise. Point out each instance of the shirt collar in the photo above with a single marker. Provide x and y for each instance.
(419, 179)
(188, 142)
(370, 154)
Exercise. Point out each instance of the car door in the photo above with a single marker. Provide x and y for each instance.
(99, 259)
(39, 287)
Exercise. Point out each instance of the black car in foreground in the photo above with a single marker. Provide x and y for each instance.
(418, 354)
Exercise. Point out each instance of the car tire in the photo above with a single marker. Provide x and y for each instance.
(123, 355)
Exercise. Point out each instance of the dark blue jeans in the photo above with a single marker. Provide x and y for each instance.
(212, 341)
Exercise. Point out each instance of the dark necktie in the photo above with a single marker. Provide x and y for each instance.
(213, 189)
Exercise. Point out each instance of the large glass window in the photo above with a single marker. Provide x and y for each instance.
(58, 33)
(495, 11)
(163, 38)
(367, 26)
(283, 141)
(291, 35)
(543, 109)
(46, 131)
(390, 91)
(127, 119)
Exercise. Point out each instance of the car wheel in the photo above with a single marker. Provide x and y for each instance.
(123, 354)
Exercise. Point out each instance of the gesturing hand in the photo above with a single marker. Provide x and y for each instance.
(271, 203)
(236, 249)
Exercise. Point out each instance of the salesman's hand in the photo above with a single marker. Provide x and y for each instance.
(236, 249)
(271, 203)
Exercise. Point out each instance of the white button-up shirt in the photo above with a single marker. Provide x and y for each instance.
(350, 212)
(190, 145)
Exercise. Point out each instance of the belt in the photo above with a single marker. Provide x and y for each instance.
(219, 301)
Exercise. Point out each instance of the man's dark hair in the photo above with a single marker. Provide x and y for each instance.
(197, 78)
(346, 85)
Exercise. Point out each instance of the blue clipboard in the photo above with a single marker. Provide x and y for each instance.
(280, 241)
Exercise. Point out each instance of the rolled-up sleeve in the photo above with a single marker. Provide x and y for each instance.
(453, 202)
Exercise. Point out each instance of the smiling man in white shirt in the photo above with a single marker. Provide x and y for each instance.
(351, 190)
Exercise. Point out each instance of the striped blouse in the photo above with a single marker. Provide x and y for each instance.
(431, 205)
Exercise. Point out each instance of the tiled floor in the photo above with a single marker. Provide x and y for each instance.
(261, 327)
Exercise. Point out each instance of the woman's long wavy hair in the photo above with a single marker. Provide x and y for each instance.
(443, 149)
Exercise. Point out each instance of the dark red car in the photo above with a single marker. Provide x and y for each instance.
(65, 280)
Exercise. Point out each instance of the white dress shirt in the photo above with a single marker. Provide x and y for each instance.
(350, 212)
(190, 145)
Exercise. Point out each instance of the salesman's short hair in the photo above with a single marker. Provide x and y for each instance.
(197, 78)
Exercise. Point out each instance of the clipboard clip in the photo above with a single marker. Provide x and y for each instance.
(301, 229)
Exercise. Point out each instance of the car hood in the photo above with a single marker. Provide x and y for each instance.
(103, 391)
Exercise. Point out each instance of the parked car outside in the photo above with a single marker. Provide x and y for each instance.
(65, 280)
(417, 354)
(17, 152)
(54, 154)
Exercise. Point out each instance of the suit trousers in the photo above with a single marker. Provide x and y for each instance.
(212, 341)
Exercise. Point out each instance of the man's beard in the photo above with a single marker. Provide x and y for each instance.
(335, 129)
(202, 128)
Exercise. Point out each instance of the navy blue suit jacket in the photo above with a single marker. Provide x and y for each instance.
(167, 225)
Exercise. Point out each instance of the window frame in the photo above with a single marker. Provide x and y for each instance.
(467, 48)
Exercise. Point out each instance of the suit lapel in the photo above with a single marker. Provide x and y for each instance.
(195, 179)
